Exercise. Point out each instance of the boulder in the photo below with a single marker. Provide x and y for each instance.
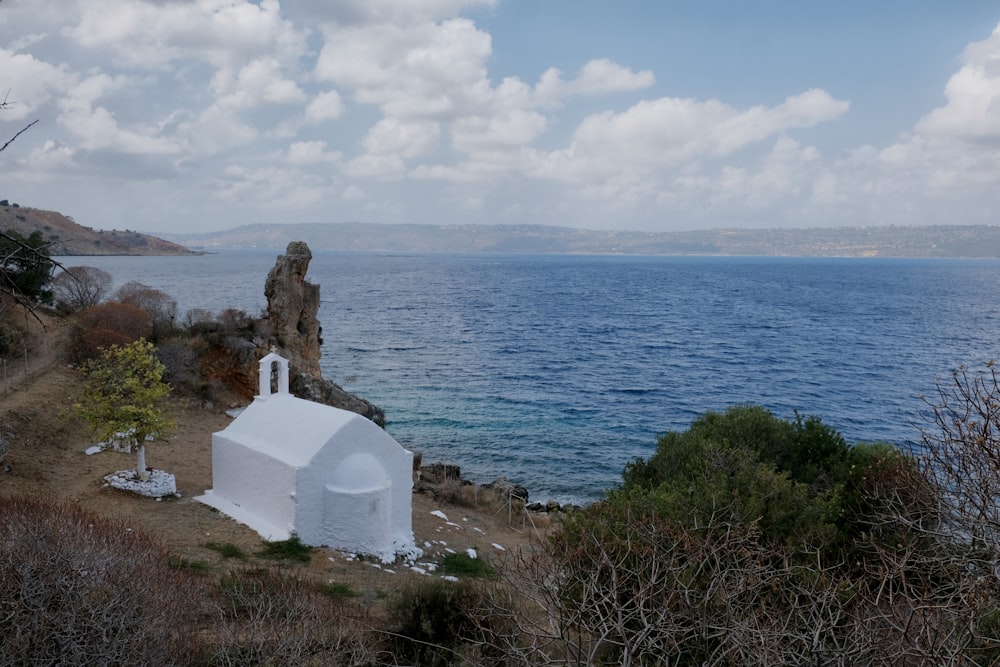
(508, 488)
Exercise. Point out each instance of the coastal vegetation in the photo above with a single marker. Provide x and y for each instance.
(744, 539)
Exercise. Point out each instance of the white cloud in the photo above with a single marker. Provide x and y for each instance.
(374, 104)
(97, 128)
(409, 139)
(31, 82)
(256, 83)
(376, 166)
(597, 77)
(670, 131)
(516, 128)
(311, 152)
(973, 94)
(351, 12)
(425, 70)
(142, 33)
(328, 105)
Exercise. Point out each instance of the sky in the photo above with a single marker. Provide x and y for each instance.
(649, 115)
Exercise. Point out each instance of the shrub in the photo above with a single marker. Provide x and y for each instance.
(291, 549)
(200, 321)
(269, 616)
(464, 565)
(104, 325)
(12, 335)
(433, 622)
(227, 550)
(74, 586)
(159, 306)
(80, 287)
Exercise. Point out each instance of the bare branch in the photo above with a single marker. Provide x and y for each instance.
(20, 132)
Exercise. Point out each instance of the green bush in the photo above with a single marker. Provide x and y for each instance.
(464, 565)
(431, 620)
(227, 550)
(291, 549)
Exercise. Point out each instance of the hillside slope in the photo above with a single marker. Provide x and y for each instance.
(69, 238)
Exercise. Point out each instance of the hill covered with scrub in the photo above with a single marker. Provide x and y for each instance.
(66, 237)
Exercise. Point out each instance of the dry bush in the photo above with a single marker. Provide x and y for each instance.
(270, 616)
(99, 327)
(200, 321)
(79, 287)
(159, 306)
(181, 359)
(77, 589)
(624, 587)
(13, 334)
(233, 320)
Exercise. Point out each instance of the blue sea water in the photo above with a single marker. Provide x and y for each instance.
(557, 370)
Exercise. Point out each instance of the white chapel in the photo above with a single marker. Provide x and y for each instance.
(289, 466)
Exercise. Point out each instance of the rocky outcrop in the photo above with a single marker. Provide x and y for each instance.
(323, 391)
(291, 329)
(293, 308)
(294, 332)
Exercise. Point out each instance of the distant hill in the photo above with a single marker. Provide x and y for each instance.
(888, 241)
(69, 238)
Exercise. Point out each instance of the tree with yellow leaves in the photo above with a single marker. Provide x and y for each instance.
(122, 399)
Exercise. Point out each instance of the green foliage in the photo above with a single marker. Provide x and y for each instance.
(747, 466)
(752, 540)
(291, 549)
(123, 393)
(25, 267)
(431, 620)
(336, 589)
(464, 565)
(227, 550)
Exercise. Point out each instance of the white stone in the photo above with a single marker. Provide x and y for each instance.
(158, 485)
(289, 466)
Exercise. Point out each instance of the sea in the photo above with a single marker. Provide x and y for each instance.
(556, 370)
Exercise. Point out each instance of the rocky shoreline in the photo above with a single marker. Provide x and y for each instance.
(444, 481)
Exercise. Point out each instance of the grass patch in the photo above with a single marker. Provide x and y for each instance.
(227, 550)
(464, 565)
(291, 549)
(336, 589)
(190, 565)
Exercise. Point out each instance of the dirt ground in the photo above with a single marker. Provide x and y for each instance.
(47, 457)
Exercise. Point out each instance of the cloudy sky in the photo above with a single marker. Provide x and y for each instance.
(659, 115)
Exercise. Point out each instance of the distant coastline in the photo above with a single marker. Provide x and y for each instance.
(67, 238)
(941, 241)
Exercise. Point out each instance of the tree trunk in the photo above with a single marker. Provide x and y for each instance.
(140, 466)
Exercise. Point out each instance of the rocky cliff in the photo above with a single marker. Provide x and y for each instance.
(294, 332)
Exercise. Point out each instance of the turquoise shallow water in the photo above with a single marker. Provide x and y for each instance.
(557, 370)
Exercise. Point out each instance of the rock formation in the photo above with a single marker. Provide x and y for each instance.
(292, 308)
(291, 328)
(295, 333)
